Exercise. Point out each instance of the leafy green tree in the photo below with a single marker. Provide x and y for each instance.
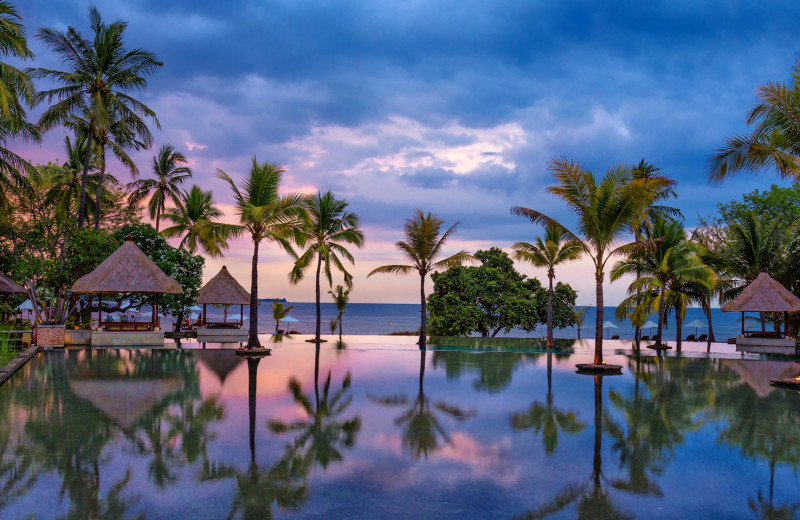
(341, 297)
(548, 252)
(169, 171)
(774, 142)
(328, 226)
(185, 268)
(606, 211)
(265, 215)
(422, 247)
(674, 260)
(279, 311)
(16, 93)
(101, 74)
(194, 219)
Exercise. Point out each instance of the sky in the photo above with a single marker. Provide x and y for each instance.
(453, 107)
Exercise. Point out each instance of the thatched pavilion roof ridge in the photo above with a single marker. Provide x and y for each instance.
(223, 289)
(764, 294)
(9, 286)
(127, 270)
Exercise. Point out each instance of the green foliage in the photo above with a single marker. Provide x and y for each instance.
(185, 268)
(85, 249)
(492, 297)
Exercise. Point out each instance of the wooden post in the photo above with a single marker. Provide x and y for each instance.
(785, 324)
(742, 323)
(100, 310)
(205, 316)
(241, 315)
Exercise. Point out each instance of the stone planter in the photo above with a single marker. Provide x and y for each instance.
(49, 335)
(77, 337)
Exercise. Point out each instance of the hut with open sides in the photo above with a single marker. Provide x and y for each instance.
(764, 294)
(222, 290)
(127, 270)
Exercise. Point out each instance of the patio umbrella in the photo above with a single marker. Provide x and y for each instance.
(25, 306)
(608, 325)
(696, 324)
(195, 308)
(235, 317)
(650, 326)
(289, 319)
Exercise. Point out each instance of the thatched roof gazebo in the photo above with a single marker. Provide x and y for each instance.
(127, 270)
(9, 286)
(764, 294)
(224, 290)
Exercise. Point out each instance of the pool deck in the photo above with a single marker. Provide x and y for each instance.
(8, 370)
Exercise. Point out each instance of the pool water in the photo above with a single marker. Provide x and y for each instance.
(389, 431)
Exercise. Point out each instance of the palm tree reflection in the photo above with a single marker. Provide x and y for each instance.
(421, 427)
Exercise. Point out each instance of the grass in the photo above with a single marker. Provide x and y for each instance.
(8, 344)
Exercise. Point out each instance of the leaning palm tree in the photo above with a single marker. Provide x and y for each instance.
(606, 210)
(98, 81)
(674, 260)
(279, 311)
(194, 219)
(16, 93)
(423, 246)
(169, 171)
(774, 142)
(327, 227)
(341, 297)
(549, 252)
(265, 215)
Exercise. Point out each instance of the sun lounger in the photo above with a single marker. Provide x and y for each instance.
(702, 337)
(690, 337)
(615, 337)
(644, 338)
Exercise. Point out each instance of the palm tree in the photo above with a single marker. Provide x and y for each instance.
(422, 246)
(341, 297)
(266, 215)
(775, 139)
(65, 179)
(101, 74)
(16, 91)
(579, 314)
(326, 227)
(550, 252)
(674, 260)
(606, 210)
(194, 219)
(170, 173)
(754, 248)
(279, 311)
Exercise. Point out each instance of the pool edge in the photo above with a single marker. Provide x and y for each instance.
(10, 368)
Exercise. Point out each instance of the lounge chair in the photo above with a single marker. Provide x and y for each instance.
(615, 337)
(702, 337)
(690, 337)
(644, 338)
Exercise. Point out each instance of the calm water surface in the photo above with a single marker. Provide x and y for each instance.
(387, 431)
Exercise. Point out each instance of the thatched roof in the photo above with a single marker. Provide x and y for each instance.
(125, 400)
(764, 295)
(127, 270)
(221, 362)
(757, 373)
(223, 289)
(10, 286)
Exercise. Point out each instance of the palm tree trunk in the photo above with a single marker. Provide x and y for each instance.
(598, 326)
(85, 176)
(598, 430)
(423, 328)
(710, 326)
(421, 372)
(158, 217)
(550, 342)
(340, 327)
(252, 333)
(678, 328)
(662, 307)
(98, 201)
(252, 383)
(319, 311)
(316, 377)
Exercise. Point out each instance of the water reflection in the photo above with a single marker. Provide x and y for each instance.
(177, 434)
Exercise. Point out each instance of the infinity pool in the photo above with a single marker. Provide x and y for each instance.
(389, 431)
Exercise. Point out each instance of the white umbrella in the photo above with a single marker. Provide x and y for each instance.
(195, 308)
(650, 325)
(696, 324)
(289, 319)
(235, 317)
(608, 325)
(25, 306)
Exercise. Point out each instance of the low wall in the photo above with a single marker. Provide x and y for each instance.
(8, 370)
(767, 345)
(77, 337)
(221, 335)
(127, 339)
(49, 335)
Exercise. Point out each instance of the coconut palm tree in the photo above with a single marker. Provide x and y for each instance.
(579, 314)
(16, 92)
(265, 215)
(774, 142)
(280, 311)
(194, 219)
(606, 209)
(169, 172)
(673, 260)
(98, 81)
(549, 252)
(341, 297)
(328, 225)
(64, 180)
(423, 246)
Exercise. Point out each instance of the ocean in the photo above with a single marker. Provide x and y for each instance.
(384, 318)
